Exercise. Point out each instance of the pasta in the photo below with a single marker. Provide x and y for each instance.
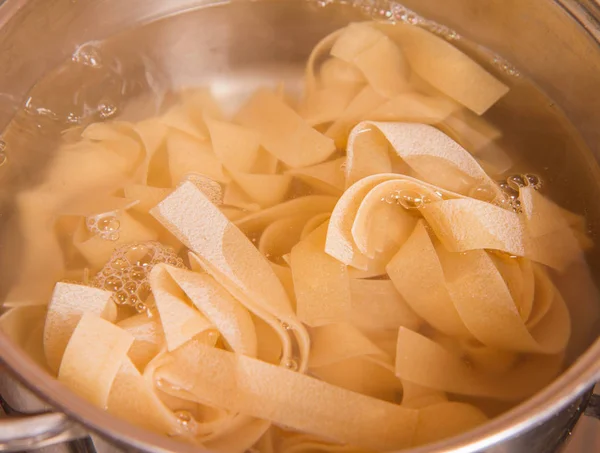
(340, 276)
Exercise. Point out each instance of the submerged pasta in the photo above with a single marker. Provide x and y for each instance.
(338, 275)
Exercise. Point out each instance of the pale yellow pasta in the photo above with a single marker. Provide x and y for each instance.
(308, 207)
(236, 146)
(179, 320)
(334, 272)
(265, 190)
(376, 305)
(421, 283)
(235, 197)
(225, 313)
(337, 342)
(224, 252)
(283, 132)
(364, 102)
(327, 177)
(97, 250)
(188, 154)
(93, 357)
(147, 196)
(68, 304)
(446, 68)
(321, 283)
(414, 107)
(148, 335)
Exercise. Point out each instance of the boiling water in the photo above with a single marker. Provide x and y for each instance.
(236, 48)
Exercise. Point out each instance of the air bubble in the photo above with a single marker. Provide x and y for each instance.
(88, 55)
(515, 182)
(291, 364)
(121, 297)
(186, 420)
(506, 67)
(533, 181)
(105, 225)
(113, 284)
(483, 193)
(286, 326)
(72, 118)
(140, 255)
(126, 273)
(107, 110)
(409, 199)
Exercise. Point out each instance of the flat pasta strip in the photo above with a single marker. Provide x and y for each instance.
(180, 321)
(97, 250)
(68, 304)
(337, 342)
(377, 305)
(362, 375)
(327, 104)
(426, 363)
(236, 146)
(93, 357)
(321, 283)
(178, 118)
(364, 102)
(446, 419)
(188, 154)
(382, 63)
(445, 67)
(414, 107)
(417, 274)
(307, 206)
(228, 316)
(367, 154)
(283, 132)
(279, 237)
(148, 335)
(133, 400)
(327, 177)
(265, 190)
(235, 197)
(242, 384)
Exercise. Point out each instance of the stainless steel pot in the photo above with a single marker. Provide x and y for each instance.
(556, 43)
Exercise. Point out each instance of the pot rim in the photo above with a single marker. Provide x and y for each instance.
(577, 379)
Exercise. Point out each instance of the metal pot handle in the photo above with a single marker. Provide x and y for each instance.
(26, 432)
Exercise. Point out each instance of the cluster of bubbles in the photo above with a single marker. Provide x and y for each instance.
(513, 184)
(391, 10)
(407, 198)
(105, 226)
(93, 89)
(126, 272)
(411, 199)
(505, 66)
